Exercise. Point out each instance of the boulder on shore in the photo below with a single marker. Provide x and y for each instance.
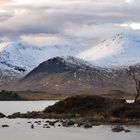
(15, 115)
(118, 128)
(2, 115)
(87, 125)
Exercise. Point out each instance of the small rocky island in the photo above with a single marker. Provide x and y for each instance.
(89, 110)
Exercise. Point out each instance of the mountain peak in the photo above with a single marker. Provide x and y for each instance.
(55, 60)
(128, 36)
(121, 50)
(52, 66)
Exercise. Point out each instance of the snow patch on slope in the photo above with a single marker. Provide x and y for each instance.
(15, 54)
(122, 50)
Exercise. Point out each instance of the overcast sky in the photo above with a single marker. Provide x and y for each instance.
(82, 22)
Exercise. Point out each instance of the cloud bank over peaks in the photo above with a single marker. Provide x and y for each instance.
(84, 22)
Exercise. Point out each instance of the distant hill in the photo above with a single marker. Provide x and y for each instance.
(58, 75)
(9, 96)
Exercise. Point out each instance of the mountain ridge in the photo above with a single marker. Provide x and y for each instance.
(119, 51)
(18, 60)
(57, 75)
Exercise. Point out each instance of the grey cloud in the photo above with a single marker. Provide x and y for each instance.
(5, 16)
(86, 21)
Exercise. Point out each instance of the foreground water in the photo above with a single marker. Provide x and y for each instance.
(20, 129)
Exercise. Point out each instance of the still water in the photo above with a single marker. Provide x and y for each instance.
(20, 129)
(9, 107)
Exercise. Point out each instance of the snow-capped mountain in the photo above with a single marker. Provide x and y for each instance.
(61, 75)
(57, 75)
(13, 54)
(121, 50)
(17, 59)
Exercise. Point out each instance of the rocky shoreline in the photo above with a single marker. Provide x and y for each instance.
(56, 123)
(87, 111)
